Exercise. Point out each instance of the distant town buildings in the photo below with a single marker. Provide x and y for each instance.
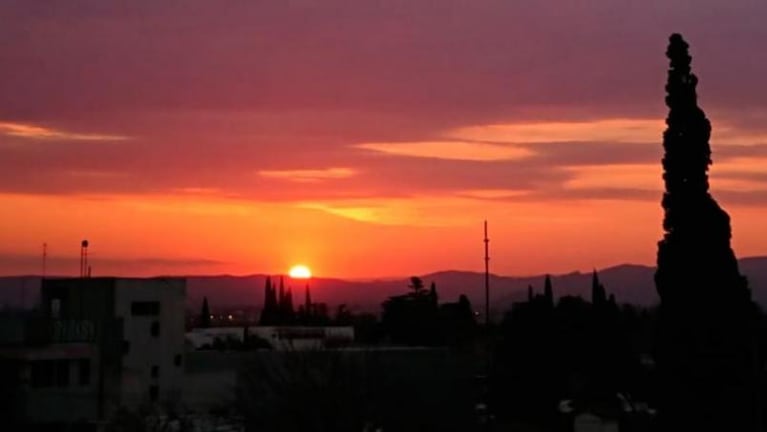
(280, 338)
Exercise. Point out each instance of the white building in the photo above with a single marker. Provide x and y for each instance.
(152, 314)
(279, 337)
(588, 422)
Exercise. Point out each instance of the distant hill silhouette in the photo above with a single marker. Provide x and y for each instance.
(630, 283)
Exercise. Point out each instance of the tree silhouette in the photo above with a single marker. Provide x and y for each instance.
(281, 303)
(416, 284)
(433, 297)
(413, 318)
(344, 316)
(205, 314)
(705, 345)
(598, 294)
(548, 291)
(269, 311)
(285, 313)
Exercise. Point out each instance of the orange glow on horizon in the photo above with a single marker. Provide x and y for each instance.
(143, 235)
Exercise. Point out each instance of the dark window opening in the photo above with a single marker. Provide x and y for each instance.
(126, 347)
(42, 373)
(84, 366)
(154, 393)
(62, 373)
(145, 308)
(55, 308)
(177, 360)
(155, 371)
(155, 329)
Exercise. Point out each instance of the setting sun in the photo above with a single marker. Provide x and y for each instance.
(300, 272)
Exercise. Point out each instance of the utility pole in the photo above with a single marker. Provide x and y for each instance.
(45, 257)
(487, 278)
(485, 416)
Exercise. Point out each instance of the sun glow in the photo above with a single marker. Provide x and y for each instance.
(300, 272)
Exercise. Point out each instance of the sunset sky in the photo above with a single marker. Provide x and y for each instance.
(362, 138)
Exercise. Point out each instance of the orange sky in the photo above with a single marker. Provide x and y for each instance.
(372, 142)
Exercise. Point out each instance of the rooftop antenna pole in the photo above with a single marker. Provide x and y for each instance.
(487, 278)
(84, 258)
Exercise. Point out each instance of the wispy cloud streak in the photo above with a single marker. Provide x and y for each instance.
(309, 175)
(29, 131)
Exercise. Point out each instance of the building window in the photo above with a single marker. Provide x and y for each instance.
(55, 308)
(62, 373)
(155, 371)
(145, 308)
(177, 360)
(154, 393)
(155, 329)
(49, 373)
(126, 347)
(84, 367)
(42, 374)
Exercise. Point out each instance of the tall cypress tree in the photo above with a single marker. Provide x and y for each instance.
(598, 294)
(433, 296)
(281, 303)
(705, 348)
(548, 291)
(289, 312)
(268, 312)
(205, 314)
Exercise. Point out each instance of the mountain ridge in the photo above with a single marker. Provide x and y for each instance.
(631, 283)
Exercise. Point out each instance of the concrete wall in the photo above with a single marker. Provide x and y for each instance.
(210, 379)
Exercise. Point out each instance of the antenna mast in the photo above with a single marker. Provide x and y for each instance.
(487, 278)
(84, 259)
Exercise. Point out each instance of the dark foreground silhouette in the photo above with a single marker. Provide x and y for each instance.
(707, 350)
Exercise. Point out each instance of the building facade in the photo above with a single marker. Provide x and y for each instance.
(96, 345)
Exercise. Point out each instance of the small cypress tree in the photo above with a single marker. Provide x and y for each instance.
(433, 297)
(548, 291)
(598, 294)
(289, 312)
(282, 304)
(270, 304)
(205, 314)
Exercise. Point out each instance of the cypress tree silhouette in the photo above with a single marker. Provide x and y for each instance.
(598, 294)
(269, 311)
(548, 291)
(529, 293)
(705, 346)
(205, 314)
(433, 296)
(289, 302)
(282, 303)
